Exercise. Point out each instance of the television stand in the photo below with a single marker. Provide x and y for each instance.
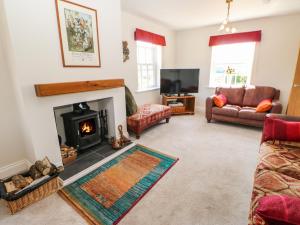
(180, 105)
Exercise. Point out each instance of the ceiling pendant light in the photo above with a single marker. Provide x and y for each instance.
(226, 25)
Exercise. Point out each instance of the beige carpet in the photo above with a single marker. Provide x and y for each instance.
(210, 185)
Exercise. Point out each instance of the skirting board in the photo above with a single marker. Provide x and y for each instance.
(14, 168)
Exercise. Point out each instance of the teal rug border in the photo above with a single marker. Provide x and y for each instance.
(115, 213)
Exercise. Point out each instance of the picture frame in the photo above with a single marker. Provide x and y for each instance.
(78, 33)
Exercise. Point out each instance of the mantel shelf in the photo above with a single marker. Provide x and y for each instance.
(43, 90)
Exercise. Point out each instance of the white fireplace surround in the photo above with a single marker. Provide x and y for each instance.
(42, 126)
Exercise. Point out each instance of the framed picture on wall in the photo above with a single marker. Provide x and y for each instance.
(79, 37)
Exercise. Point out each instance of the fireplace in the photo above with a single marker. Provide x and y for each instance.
(82, 130)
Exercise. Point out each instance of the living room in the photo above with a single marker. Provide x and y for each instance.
(202, 167)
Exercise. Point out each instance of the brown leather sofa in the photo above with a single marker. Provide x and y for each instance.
(241, 105)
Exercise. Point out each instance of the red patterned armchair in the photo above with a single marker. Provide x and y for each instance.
(147, 116)
(278, 171)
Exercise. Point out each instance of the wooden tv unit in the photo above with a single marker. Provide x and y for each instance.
(185, 104)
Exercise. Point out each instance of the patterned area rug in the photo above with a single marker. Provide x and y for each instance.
(104, 196)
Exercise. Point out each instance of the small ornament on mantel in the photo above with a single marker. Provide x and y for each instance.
(125, 51)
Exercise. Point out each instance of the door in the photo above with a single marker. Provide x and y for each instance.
(294, 102)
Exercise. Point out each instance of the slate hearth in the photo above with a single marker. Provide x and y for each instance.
(87, 127)
(87, 159)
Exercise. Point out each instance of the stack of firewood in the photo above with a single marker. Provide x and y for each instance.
(40, 169)
(68, 154)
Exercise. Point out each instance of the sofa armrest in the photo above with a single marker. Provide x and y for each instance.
(208, 108)
(276, 107)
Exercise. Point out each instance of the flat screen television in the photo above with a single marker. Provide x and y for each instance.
(176, 81)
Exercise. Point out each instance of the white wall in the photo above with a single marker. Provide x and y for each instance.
(11, 138)
(129, 24)
(33, 50)
(275, 59)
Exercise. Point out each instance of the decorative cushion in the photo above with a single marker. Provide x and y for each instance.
(276, 129)
(279, 208)
(131, 106)
(227, 110)
(269, 182)
(220, 100)
(264, 106)
(250, 114)
(234, 96)
(254, 95)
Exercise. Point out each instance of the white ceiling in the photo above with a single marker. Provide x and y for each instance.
(183, 14)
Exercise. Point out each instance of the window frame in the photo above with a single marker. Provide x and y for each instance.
(252, 54)
(156, 53)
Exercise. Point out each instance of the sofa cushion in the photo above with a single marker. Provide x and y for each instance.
(227, 110)
(220, 100)
(264, 105)
(254, 95)
(251, 114)
(279, 208)
(234, 96)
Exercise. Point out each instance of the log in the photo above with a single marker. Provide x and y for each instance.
(10, 187)
(34, 172)
(44, 169)
(46, 162)
(29, 180)
(19, 181)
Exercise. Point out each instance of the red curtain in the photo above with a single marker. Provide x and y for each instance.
(253, 36)
(141, 35)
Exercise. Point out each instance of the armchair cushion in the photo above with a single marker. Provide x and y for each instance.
(279, 208)
(277, 129)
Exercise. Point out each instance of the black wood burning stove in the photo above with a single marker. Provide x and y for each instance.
(82, 128)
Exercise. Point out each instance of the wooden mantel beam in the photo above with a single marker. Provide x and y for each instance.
(43, 90)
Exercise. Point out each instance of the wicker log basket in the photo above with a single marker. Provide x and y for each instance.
(19, 200)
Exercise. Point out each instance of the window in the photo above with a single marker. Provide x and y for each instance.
(231, 64)
(149, 64)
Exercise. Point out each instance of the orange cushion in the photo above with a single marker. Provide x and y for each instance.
(264, 105)
(220, 100)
